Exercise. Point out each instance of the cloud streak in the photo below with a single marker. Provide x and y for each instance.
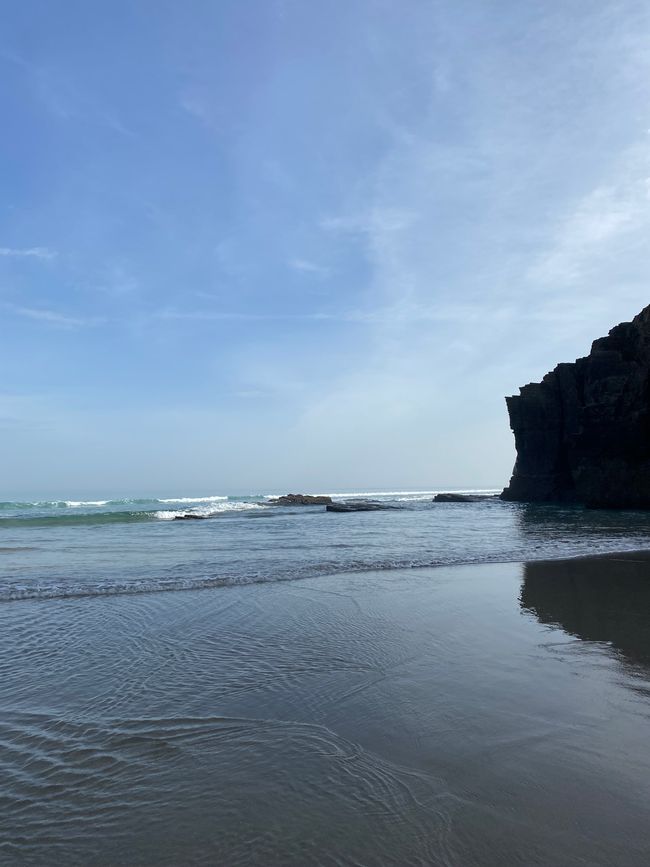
(229, 316)
(52, 317)
(595, 230)
(44, 253)
(307, 267)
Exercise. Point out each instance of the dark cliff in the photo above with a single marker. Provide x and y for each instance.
(583, 433)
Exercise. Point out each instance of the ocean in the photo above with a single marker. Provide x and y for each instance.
(430, 684)
(63, 548)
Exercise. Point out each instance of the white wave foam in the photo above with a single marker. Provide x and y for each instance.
(415, 498)
(192, 499)
(206, 511)
(78, 504)
(68, 589)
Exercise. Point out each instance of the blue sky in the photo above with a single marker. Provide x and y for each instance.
(254, 244)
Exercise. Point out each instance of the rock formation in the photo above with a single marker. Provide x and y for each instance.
(583, 433)
(301, 500)
(358, 506)
(460, 498)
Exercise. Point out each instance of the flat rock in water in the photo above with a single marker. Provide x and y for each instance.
(190, 517)
(301, 500)
(457, 498)
(357, 507)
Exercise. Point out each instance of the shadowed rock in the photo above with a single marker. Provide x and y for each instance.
(358, 507)
(583, 433)
(458, 498)
(301, 500)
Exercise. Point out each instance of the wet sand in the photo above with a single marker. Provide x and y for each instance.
(469, 715)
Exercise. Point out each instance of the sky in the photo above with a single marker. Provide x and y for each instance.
(252, 245)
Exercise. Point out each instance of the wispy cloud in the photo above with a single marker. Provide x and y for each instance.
(197, 107)
(63, 97)
(29, 252)
(307, 267)
(53, 317)
(399, 313)
(228, 316)
(377, 219)
(597, 226)
(118, 281)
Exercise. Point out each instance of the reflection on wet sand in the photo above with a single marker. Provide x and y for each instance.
(604, 599)
(412, 717)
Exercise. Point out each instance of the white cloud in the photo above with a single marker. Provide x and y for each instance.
(372, 221)
(51, 316)
(308, 267)
(118, 281)
(599, 227)
(29, 252)
(63, 96)
(219, 315)
(197, 107)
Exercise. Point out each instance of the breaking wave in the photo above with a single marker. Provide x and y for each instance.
(101, 547)
(51, 513)
(21, 505)
(217, 508)
(193, 500)
(70, 589)
(133, 510)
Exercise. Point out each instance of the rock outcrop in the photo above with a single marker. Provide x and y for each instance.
(460, 498)
(358, 506)
(583, 433)
(301, 500)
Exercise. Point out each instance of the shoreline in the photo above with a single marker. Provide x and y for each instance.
(401, 716)
(640, 555)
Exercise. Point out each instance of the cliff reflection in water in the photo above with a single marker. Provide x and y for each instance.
(603, 599)
(566, 523)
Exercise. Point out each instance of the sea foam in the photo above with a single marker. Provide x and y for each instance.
(216, 508)
(192, 499)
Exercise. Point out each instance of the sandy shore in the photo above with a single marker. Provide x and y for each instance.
(472, 715)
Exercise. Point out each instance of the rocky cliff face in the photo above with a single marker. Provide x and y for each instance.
(583, 433)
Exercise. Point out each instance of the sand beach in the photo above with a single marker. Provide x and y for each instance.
(494, 714)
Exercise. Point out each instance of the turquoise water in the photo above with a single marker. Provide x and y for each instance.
(62, 548)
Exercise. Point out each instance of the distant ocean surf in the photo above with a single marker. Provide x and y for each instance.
(101, 546)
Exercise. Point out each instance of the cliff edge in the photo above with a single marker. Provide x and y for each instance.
(583, 433)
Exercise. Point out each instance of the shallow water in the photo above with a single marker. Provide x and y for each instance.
(103, 547)
(474, 715)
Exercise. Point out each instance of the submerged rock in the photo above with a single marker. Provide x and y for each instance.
(458, 498)
(358, 507)
(583, 433)
(190, 517)
(301, 500)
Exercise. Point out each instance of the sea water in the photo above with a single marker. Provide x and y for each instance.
(493, 715)
(322, 688)
(101, 546)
